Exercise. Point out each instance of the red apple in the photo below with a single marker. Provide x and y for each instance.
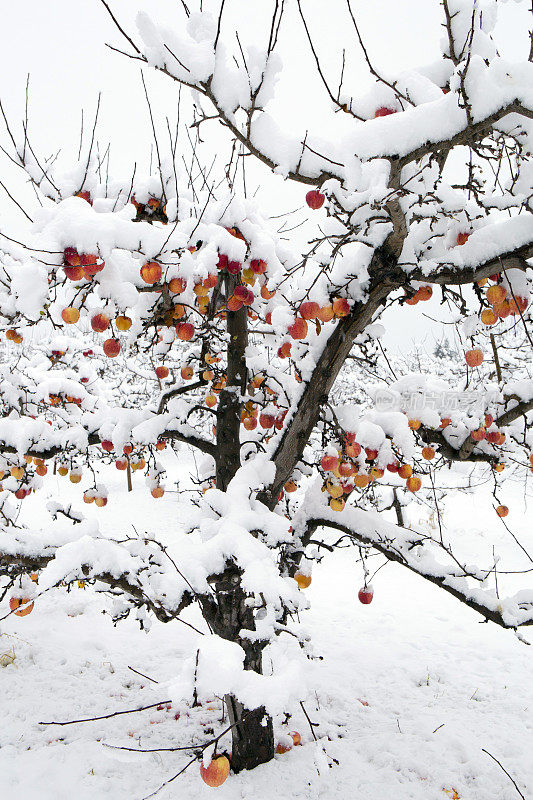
(285, 350)
(91, 264)
(424, 293)
(488, 316)
(309, 310)
(365, 595)
(151, 272)
(303, 581)
(266, 420)
(217, 771)
(341, 307)
(85, 195)
(234, 304)
(325, 314)
(346, 469)
(177, 285)
(234, 267)
(502, 310)
(383, 111)
(71, 257)
(405, 471)
(474, 357)
(185, 331)
(70, 315)
(329, 463)
(298, 329)
(111, 347)
(162, 372)
(496, 294)
(20, 603)
(315, 199)
(517, 305)
(100, 322)
(258, 266)
(266, 294)
(74, 273)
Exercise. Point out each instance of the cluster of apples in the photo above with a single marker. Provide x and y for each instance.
(243, 296)
(60, 399)
(74, 472)
(343, 473)
(310, 311)
(23, 474)
(97, 496)
(267, 418)
(209, 372)
(489, 432)
(135, 461)
(56, 355)
(81, 266)
(501, 304)
(288, 741)
(153, 210)
(422, 294)
(217, 771)
(84, 266)
(14, 336)
(151, 273)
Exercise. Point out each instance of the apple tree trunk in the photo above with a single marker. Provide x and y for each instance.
(252, 732)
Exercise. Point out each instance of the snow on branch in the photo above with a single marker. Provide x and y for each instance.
(417, 552)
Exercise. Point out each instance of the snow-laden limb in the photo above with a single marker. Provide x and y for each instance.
(235, 532)
(418, 553)
(427, 398)
(26, 436)
(494, 90)
(135, 569)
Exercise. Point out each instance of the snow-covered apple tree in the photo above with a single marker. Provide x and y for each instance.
(143, 313)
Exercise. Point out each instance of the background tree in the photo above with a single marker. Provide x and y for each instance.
(233, 343)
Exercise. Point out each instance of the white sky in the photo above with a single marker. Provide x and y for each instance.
(61, 43)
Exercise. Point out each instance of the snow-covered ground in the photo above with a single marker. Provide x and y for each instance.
(406, 692)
